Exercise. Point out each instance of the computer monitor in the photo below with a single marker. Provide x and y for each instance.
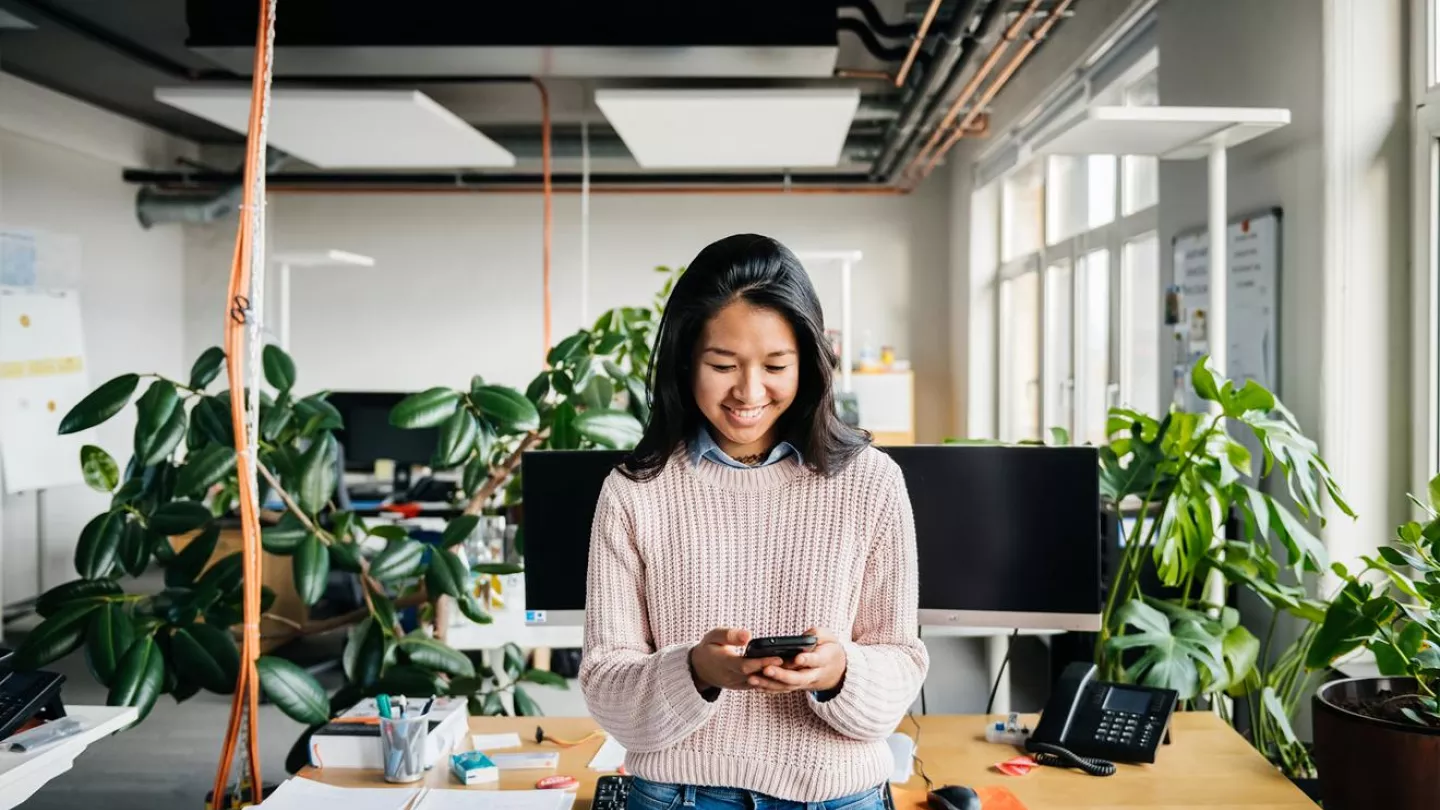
(559, 490)
(1005, 536)
(369, 437)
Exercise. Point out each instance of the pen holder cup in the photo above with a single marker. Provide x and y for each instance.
(402, 747)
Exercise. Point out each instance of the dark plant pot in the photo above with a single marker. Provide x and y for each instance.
(1366, 762)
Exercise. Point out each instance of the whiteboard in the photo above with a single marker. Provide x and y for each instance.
(42, 376)
(1252, 308)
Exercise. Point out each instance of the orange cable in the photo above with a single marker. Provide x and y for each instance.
(246, 699)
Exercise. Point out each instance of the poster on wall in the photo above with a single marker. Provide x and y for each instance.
(1253, 304)
(42, 376)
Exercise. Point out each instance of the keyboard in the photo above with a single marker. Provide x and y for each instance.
(611, 792)
(26, 694)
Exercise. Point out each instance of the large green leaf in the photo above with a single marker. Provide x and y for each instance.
(599, 392)
(639, 399)
(275, 418)
(155, 408)
(345, 556)
(1270, 700)
(390, 532)
(109, 635)
(525, 706)
(140, 677)
(294, 690)
(207, 367)
(279, 368)
(99, 546)
(545, 678)
(365, 653)
(100, 404)
(400, 558)
(425, 409)
(384, 612)
(317, 414)
(445, 574)
(209, 656)
(317, 474)
(283, 537)
(497, 568)
(432, 654)
(76, 590)
(224, 576)
(152, 448)
(507, 409)
(471, 609)
(312, 569)
(411, 680)
(55, 637)
(539, 387)
(101, 472)
(475, 474)
(457, 439)
(609, 428)
(458, 529)
(1169, 658)
(211, 419)
(569, 349)
(493, 706)
(1240, 649)
(187, 565)
(514, 660)
(179, 517)
(135, 547)
(204, 468)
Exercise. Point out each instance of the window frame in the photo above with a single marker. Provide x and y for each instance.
(1425, 250)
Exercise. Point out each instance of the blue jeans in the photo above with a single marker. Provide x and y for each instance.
(647, 795)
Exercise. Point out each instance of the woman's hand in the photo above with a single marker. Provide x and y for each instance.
(719, 661)
(819, 670)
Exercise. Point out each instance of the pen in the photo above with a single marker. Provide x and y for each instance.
(424, 710)
(382, 702)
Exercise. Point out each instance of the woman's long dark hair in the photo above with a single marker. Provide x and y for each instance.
(764, 273)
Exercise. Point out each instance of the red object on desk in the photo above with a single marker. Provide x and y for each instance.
(558, 782)
(405, 510)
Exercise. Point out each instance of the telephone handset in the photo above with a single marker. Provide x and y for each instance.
(1090, 724)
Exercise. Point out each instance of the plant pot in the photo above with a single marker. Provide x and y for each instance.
(1366, 762)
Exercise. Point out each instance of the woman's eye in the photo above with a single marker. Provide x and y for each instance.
(775, 369)
(722, 369)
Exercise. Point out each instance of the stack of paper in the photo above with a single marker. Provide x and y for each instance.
(305, 794)
(610, 756)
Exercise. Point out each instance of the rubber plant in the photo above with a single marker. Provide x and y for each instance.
(1179, 479)
(181, 481)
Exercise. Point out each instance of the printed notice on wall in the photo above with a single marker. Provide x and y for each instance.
(1252, 325)
(42, 376)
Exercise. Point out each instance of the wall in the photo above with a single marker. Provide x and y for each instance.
(60, 163)
(456, 288)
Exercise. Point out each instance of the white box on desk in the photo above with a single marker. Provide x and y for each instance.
(339, 744)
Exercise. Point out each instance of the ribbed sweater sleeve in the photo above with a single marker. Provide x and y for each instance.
(886, 661)
(645, 698)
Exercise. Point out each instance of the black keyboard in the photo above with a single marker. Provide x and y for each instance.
(26, 694)
(611, 792)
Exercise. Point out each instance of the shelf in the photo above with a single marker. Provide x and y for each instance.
(1171, 133)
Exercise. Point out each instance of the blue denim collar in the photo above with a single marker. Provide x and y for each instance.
(703, 447)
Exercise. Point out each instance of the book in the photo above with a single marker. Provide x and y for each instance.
(352, 740)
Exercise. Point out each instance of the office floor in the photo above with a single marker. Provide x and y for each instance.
(169, 760)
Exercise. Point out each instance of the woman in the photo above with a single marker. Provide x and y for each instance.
(749, 509)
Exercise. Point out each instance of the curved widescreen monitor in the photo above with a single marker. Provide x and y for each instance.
(1007, 536)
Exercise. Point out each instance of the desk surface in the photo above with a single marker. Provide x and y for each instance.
(23, 774)
(1208, 765)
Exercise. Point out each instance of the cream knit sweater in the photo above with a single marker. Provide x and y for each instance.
(774, 550)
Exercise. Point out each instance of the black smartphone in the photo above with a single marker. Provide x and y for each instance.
(782, 647)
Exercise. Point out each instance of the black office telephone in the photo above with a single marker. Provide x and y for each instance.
(24, 695)
(1090, 724)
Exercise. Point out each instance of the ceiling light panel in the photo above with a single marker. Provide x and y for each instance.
(732, 128)
(350, 129)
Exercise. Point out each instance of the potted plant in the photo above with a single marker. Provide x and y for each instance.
(181, 479)
(1179, 480)
(1377, 739)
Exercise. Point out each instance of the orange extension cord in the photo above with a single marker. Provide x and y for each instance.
(246, 703)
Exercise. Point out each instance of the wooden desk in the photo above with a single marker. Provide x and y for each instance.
(1207, 766)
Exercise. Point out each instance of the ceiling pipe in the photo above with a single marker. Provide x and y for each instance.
(1036, 37)
(157, 207)
(918, 41)
(877, 22)
(867, 38)
(919, 101)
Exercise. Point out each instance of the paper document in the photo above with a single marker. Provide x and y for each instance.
(306, 794)
(439, 799)
(610, 756)
(490, 742)
(526, 760)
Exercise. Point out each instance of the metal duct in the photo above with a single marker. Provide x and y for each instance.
(154, 207)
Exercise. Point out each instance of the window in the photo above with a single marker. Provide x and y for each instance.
(1092, 336)
(1140, 325)
(1059, 362)
(1020, 365)
(1142, 172)
(1079, 195)
(1022, 213)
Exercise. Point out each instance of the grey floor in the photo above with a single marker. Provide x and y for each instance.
(169, 760)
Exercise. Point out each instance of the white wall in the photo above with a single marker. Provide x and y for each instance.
(456, 288)
(60, 164)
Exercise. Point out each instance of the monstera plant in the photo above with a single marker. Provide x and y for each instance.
(1180, 480)
(167, 503)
